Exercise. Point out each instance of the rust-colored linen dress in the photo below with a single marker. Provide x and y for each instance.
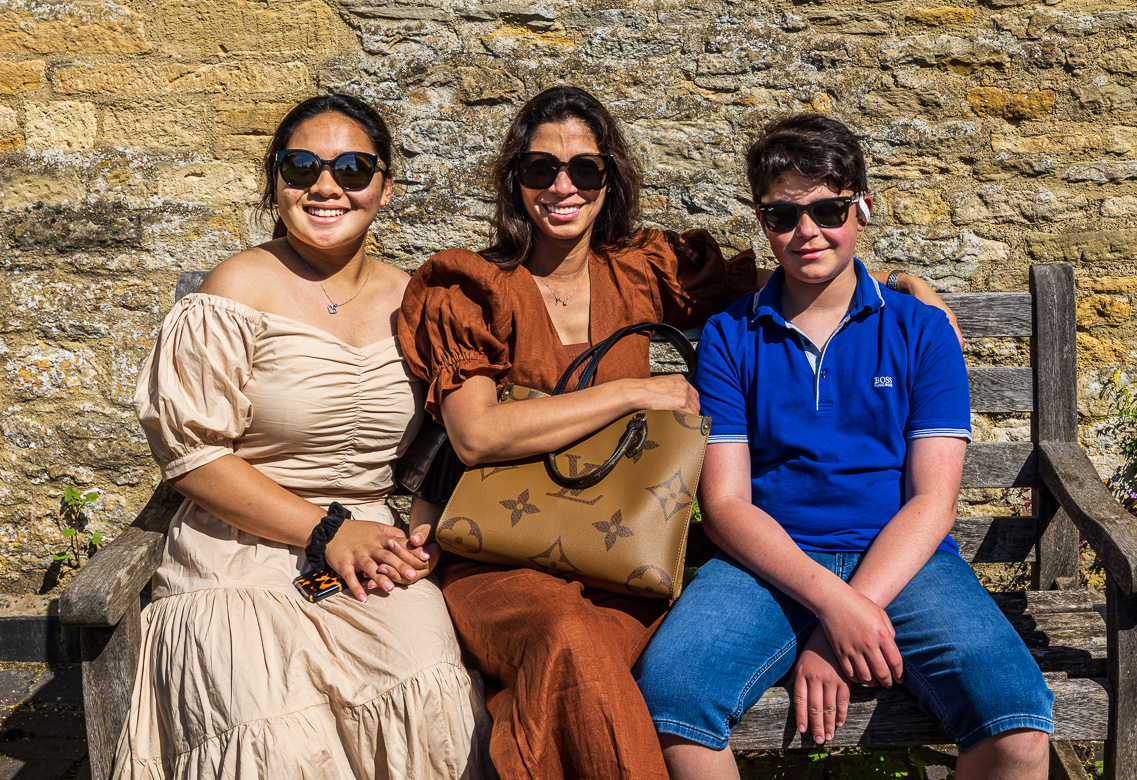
(563, 653)
(240, 676)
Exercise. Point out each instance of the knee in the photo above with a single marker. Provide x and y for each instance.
(1019, 747)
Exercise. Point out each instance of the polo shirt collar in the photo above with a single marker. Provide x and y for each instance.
(768, 300)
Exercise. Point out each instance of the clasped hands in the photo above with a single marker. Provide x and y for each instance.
(383, 553)
(854, 643)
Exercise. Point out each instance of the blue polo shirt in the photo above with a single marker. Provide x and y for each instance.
(828, 429)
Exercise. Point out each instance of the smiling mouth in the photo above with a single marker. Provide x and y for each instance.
(560, 210)
(317, 211)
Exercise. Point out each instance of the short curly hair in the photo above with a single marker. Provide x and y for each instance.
(814, 147)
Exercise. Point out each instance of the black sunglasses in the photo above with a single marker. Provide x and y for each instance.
(351, 170)
(826, 213)
(538, 170)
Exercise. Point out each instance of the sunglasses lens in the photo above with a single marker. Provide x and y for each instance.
(780, 217)
(830, 213)
(537, 170)
(299, 168)
(352, 171)
(588, 172)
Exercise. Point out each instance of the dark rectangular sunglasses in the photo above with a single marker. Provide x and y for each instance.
(351, 170)
(538, 170)
(827, 213)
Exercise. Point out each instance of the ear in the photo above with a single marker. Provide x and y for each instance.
(864, 210)
(388, 188)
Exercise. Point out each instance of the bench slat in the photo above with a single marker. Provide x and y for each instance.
(892, 717)
(1000, 464)
(1001, 389)
(991, 315)
(995, 539)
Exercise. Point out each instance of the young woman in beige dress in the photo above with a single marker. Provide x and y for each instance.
(274, 391)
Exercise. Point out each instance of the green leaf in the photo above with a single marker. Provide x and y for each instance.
(68, 532)
(70, 493)
(91, 496)
(60, 556)
(96, 538)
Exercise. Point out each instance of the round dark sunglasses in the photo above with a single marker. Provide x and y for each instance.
(351, 170)
(826, 213)
(538, 170)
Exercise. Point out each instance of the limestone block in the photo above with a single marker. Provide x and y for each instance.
(8, 122)
(63, 229)
(1109, 99)
(202, 28)
(1047, 143)
(1091, 246)
(154, 126)
(1094, 310)
(20, 189)
(1111, 284)
(73, 311)
(487, 85)
(853, 22)
(920, 207)
(1043, 206)
(24, 76)
(1102, 172)
(1120, 139)
(946, 16)
(947, 264)
(212, 183)
(990, 101)
(410, 37)
(885, 104)
(87, 433)
(71, 27)
(1124, 207)
(1093, 351)
(64, 124)
(517, 40)
(687, 148)
(167, 78)
(946, 52)
(42, 371)
(1120, 61)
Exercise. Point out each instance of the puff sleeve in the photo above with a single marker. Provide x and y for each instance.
(456, 322)
(693, 279)
(189, 398)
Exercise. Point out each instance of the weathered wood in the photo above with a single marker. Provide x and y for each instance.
(188, 282)
(1110, 530)
(995, 539)
(891, 717)
(109, 657)
(1001, 389)
(110, 582)
(1121, 628)
(991, 315)
(1065, 763)
(1000, 464)
(1053, 354)
(1019, 602)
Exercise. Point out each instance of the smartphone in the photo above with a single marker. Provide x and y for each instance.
(318, 585)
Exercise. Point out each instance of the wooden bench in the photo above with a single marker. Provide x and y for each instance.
(1089, 662)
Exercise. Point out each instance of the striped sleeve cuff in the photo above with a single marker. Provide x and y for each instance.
(951, 433)
(737, 438)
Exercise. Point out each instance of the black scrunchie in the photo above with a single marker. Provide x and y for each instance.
(323, 533)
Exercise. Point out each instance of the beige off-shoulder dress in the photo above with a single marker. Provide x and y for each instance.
(240, 676)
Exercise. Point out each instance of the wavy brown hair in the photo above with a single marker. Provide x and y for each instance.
(615, 226)
(351, 107)
(815, 147)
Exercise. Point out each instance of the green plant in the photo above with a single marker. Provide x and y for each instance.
(72, 520)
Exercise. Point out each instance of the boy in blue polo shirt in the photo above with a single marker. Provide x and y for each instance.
(840, 416)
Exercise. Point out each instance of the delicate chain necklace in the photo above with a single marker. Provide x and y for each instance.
(333, 307)
(564, 301)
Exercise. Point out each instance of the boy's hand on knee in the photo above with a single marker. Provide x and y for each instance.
(821, 693)
(863, 640)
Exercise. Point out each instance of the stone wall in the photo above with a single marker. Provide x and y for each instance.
(999, 134)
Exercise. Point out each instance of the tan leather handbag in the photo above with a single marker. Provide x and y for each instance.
(610, 510)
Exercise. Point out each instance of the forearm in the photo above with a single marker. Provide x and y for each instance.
(902, 548)
(757, 541)
(234, 491)
(484, 431)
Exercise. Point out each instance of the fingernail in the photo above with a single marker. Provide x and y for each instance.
(424, 556)
(391, 545)
(801, 729)
(371, 585)
(415, 540)
(819, 740)
(388, 586)
(828, 737)
(410, 574)
(362, 597)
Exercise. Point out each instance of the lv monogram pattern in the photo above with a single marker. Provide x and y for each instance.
(617, 535)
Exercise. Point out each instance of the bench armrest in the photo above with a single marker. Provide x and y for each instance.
(1103, 522)
(112, 579)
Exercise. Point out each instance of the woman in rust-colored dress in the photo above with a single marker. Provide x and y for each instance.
(567, 269)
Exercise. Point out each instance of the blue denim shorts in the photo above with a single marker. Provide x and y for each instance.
(730, 636)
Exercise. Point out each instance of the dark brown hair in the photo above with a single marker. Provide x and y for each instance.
(351, 107)
(615, 225)
(814, 147)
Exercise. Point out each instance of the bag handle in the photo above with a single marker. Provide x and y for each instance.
(636, 433)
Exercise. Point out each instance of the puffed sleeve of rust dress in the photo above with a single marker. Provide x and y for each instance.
(568, 705)
(238, 675)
